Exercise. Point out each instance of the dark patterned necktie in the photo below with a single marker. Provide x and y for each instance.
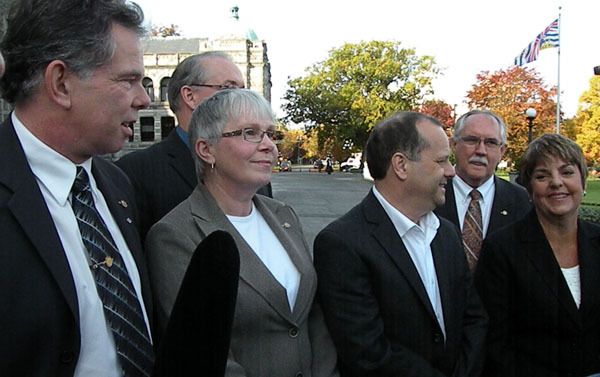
(122, 308)
(472, 232)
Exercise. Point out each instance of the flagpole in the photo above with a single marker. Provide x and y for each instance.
(558, 74)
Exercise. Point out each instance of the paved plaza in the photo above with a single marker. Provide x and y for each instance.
(319, 198)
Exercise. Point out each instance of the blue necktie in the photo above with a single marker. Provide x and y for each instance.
(122, 308)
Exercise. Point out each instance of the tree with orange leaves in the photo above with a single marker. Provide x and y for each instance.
(509, 93)
(441, 111)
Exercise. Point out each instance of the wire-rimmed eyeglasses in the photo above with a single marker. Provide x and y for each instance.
(474, 141)
(219, 86)
(254, 135)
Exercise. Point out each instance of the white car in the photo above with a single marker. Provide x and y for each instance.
(350, 163)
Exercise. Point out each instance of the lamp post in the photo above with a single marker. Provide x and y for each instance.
(530, 113)
(298, 141)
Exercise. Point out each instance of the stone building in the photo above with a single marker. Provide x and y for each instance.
(161, 56)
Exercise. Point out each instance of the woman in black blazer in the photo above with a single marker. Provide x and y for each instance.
(539, 278)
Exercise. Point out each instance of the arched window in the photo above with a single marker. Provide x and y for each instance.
(164, 87)
(149, 87)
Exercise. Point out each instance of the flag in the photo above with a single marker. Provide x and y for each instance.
(548, 38)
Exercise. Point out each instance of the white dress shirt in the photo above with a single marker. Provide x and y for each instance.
(462, 200)
(417, 240)
(55, 175)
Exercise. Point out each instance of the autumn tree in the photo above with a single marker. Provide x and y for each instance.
(588, 113)
(291, 145)
(509, 93)
(440, 110)
(165, 31)
(354, 88)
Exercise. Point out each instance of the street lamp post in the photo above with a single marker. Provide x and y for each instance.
(298, 141)
(530, 113)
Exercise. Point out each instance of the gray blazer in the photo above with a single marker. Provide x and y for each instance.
(267, 338)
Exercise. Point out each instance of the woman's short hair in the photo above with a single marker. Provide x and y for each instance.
(550, 146)
(211, 117)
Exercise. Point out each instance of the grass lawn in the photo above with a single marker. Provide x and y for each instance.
(592, 196)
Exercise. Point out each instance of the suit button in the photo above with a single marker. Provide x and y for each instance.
(293, 332)
(67, 357)
(438, 338)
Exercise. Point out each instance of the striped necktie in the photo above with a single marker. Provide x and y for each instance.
(122, 308)
(472, 232)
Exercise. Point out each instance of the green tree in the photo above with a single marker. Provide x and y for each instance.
(509, 93)
(589, 114)
(357, 86)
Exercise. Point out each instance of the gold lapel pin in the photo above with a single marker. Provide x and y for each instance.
(123, 203)
(503, 212)
(286, 225)
(129, 221)
(108, 261)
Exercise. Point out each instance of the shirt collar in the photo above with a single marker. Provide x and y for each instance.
(52, 170)
(402, 223)
(462, 189)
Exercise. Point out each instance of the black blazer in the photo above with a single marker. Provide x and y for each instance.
(377, 309)
(511, 202)
(39, 315)
(163, 175)
(535, 326)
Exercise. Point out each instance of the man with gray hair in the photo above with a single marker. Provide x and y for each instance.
(163, 175)
(75, 292)
(477, 201)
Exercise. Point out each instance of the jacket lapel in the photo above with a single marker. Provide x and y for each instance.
(387, 236)
(541, 256)
(29, 209)
(209, 217)
(502, 207)
(448, 210)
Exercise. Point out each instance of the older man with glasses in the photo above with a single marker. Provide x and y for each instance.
(477, 201)
(163, 175)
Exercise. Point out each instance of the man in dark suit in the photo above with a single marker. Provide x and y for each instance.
(479, 141)
(394, 284)
(73, 72)
(163, 175)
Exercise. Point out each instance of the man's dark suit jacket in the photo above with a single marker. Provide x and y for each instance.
(536, 330)
(39, 314)
(163, 175)
(511, 202)
(376, 306)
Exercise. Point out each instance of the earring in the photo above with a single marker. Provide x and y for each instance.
(212, 166)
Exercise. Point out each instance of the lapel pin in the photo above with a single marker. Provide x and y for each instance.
(108, 261)
(129, 221)
(286, 225)
(503, 212)
(123, 203)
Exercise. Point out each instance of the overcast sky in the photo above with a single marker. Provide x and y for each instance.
(465, 36)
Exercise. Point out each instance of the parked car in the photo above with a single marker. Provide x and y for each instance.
(350, 163)
(285, 166)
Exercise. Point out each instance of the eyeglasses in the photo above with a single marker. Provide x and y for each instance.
(254, 135)
(219, 86)
(474, 141)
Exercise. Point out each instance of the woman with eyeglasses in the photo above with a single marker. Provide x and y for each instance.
(278, 330)
(539, 278)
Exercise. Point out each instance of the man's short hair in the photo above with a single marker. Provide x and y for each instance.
(77, 32)
(397, 133)
(460, 123)
(191, 70)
